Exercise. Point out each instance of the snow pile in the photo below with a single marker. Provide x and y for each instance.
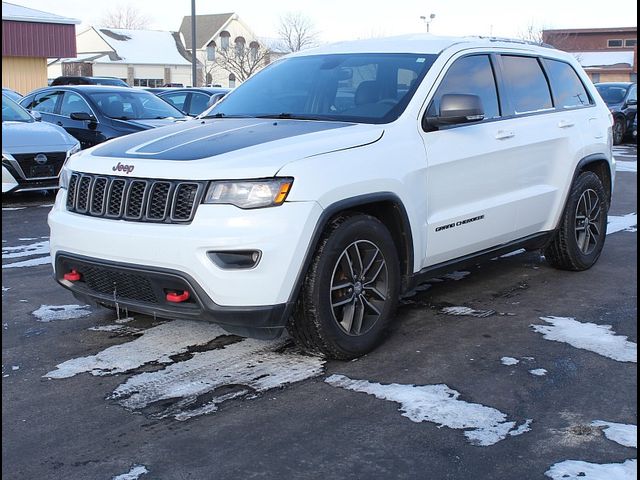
(627, 223)
(622, 433)
(133, 474)
(600, 339)
(439, 404)
(509, 361)
(51, 313)
(538, 372)
(578, 470)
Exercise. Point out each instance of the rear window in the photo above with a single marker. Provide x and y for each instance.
(527, 86)
(568, 89)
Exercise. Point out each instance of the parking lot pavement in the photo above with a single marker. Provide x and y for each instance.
(507, 370)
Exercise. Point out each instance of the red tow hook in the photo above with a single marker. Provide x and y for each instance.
(72, 276)
(176, 297)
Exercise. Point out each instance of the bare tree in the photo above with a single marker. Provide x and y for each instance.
(296, 32)
(125, 16)
(242, 61)
(531, 34)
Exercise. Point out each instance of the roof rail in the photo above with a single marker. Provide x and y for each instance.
(517, 40)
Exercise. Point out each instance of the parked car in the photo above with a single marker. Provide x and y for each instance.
(93, 114)
(622, 100)
(634, 128)
(280, 209)
(193, 101)
(33, 152)
(113, 81)
(12, 94)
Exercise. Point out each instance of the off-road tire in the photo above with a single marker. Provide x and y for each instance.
(316, 322)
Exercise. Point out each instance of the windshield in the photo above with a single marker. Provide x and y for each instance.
(612, 94)
(12, 112)
(133, 105)
(364, 87)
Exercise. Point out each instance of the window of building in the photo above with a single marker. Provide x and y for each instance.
(631, 42)
(614, 43)
(527, 86)
(224, 40)
(568, 90)
(240, 44)
(472, 76)
(211, 51)
(148, 82)
(253, 51)
(595, 77)
(232, 81)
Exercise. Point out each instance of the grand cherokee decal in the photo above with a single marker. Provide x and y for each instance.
(458, 223)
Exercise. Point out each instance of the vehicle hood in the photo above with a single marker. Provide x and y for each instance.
(146, 124)
(23, 137)
(222, 148)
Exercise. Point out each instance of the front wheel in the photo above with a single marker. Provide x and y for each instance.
(583, 227)
(351, 290)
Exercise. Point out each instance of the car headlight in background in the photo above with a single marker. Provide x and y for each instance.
(74, 149)
(64, 177)
(249, 193)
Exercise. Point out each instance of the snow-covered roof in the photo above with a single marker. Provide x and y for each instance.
(151, 47)
(18, 13)
(604, 59)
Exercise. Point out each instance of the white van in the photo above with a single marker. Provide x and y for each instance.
(335, 180)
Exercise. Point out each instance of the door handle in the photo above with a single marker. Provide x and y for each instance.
(565, 124)
(504, 134)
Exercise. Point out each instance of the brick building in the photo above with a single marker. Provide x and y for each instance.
(606, 54)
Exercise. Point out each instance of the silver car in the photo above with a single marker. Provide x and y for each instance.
(33, 152)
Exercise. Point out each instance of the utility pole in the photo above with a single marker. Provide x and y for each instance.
(194, 60)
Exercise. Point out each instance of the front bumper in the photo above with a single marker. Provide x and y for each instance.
(250, 297)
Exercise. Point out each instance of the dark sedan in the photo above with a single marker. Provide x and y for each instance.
(622, 100)
(93, 113)
(193, 101)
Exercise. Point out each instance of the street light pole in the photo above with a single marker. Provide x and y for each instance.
(428, 22)
(194, 60)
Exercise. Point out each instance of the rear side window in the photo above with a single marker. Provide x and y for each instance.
(472, 76)
(198, 103)
(526, 84)
(176, 99)
(46, 102)
(568, 90)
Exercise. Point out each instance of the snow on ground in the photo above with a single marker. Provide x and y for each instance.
(627, 167)
(509, 361)
(578, 470)
(199, 385)
(439, 404)
(34, 262)
(11, 209)
(133, 474)
(466, 311)
(627, 223)
(622, 433)
(52, 313)
(38, 248)
(538, 372)
(600, 339)
(157, 345)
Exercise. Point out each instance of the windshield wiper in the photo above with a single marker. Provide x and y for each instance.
(224, 115)
(287, 115)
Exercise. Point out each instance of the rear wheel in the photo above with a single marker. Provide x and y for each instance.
(350, 291)
(618, 131)
(578, 243)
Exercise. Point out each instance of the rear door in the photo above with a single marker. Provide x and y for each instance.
(177, 99)
(471, 169)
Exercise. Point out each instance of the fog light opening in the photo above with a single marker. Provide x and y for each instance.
(236, 260)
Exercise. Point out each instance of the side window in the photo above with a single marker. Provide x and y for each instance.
(46, 102)
(471, 76)
(568, 90)
(27, 102)
(176, 99)
(527, 86)
(633, 93)
(73, 103)
(198, 103)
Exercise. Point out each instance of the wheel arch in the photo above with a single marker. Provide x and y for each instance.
(386, 207)
(599, 165)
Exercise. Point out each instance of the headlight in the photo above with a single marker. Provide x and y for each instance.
(74, 149)
(63, 179)
(249, 193)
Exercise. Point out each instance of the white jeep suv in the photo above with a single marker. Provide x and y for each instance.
(335, 180)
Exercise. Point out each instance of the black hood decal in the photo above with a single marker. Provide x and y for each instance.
(194, 140)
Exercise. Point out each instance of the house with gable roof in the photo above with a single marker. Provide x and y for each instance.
(217, 32)
(142, 58)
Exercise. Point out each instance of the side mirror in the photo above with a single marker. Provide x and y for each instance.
(82, 116)
(457, 108)
(36, 115)
(632, 101)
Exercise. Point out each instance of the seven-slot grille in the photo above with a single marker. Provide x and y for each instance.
(133, 199)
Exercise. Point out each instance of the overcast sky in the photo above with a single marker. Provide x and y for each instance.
(351, 19)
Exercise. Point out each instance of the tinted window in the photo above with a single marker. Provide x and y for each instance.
(568, 90)
(526, 84)
(198, 103)
(46, 102)
(471, 76)
(133, 105)
(73, 103)
(612, 94)
(360, 87)
(176, 99)
(633, 93)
